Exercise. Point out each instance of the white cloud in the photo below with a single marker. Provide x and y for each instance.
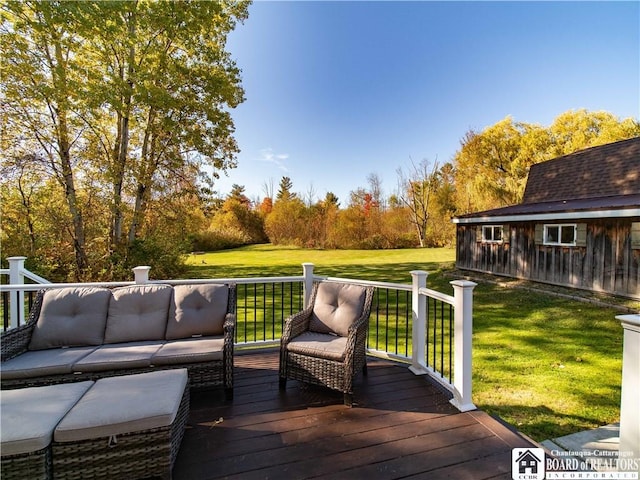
(268, 155)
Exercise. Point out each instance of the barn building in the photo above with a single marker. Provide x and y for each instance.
(578, 224)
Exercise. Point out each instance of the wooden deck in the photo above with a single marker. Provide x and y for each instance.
(402, 426)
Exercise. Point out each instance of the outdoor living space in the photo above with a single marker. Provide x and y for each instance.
(411, 414)
(401, 426)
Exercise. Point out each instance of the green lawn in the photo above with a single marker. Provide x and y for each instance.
(548, 365)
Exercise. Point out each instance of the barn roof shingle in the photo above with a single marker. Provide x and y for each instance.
(603, 171)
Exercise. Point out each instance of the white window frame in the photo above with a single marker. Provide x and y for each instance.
(560, 226)
(493, 230)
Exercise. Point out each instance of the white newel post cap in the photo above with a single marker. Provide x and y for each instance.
(141, 274)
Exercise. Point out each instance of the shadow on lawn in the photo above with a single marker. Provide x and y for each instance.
(541, 422)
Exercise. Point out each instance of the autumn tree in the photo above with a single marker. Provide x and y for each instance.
(134, 96)
(491, 166)
(237, 218)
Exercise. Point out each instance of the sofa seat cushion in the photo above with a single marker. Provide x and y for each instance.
(197, 310)
(71, 317)
(119, 405)
(192, 350)
(118, 356)
(321, 345)
(337, 306)
(29, 415)
(41, 363)
(138, 313)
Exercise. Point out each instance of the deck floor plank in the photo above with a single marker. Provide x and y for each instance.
(402, 426)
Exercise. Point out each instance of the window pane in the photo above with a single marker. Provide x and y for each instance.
(497, 234)
(487, 232)
(552, 234)
(568, 234)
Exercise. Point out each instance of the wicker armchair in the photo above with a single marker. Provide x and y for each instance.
(325, 343)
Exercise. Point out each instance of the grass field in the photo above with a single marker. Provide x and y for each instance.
(548, 365)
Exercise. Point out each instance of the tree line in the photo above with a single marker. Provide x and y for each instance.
(488, 171)
(116, 122)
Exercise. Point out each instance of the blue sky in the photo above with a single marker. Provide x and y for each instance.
(336, 91)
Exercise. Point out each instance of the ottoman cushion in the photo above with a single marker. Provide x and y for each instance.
(119, 405)
(29, 415)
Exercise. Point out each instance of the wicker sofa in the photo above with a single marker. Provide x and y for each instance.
(87, 333)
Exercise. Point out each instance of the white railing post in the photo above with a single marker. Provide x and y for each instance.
(16, 298)
(629, 447)
(419, 318)
(141, 275)
(307, 272)
(463, 330)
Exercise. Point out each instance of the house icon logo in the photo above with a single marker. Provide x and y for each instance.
(527, 464)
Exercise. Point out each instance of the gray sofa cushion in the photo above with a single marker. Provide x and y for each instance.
(337, 306)
(29, 415)
(71, 317)
(138, 313)
(321, 345)
(118, 356)
(39, 363)
(191, 350)
(126, 404)
(197, 310)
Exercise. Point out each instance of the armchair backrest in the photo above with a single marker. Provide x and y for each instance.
(336, 306)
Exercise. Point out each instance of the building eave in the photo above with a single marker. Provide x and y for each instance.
(556, 216)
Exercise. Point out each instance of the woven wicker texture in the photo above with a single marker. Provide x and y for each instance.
(33, 465)
(337, 375)
(135, 455)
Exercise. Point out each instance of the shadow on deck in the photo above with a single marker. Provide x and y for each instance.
(402, 426)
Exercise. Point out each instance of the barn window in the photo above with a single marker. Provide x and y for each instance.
(560, 234)
(492, 233)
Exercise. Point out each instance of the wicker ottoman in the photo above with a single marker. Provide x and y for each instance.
(28, 419)
(124, 427)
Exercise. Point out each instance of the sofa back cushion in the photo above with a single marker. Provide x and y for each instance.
(71, 317)
(138, 313)
(337, 306)
(197, 310)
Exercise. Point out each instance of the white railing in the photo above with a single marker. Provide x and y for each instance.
(17, 274)
(629, 448)
(457, 349)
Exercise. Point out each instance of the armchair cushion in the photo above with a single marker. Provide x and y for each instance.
(197, 310)
(138, 313)
(71, 317)
(320, 345)
(337, 306)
